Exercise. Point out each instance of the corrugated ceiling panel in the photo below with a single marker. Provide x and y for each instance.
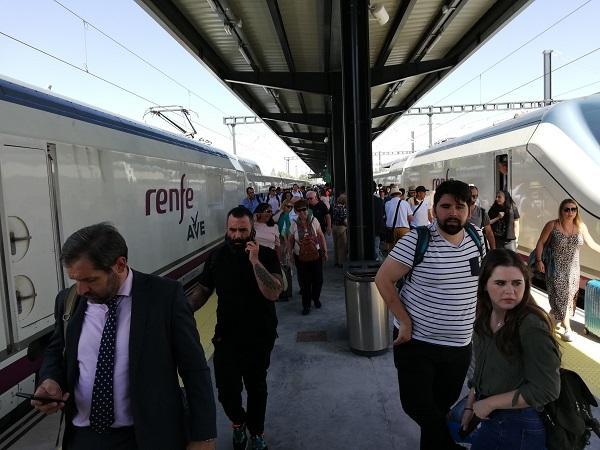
(415, 29)
(210, 26)
(260, 32)
(468, 15)
(301, 21)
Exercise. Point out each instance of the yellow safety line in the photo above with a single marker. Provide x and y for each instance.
(206, 319)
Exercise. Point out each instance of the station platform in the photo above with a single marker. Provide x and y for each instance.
(324, 397)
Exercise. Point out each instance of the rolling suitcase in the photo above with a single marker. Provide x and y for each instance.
(286, 294)
(592, 307)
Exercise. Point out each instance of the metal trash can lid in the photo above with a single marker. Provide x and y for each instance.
(364, 271)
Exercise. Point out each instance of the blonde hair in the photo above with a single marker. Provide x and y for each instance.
(577, 220)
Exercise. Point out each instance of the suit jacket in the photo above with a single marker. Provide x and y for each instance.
(163, 340)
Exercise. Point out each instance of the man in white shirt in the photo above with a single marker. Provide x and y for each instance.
(398, 217)
(273, 200)
(421, 208)
(296, 192)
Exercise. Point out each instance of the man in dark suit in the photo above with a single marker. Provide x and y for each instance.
(128, 337)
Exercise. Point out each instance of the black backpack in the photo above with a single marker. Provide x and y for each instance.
(568, 419)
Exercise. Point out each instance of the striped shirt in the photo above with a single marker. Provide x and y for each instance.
(441, 295)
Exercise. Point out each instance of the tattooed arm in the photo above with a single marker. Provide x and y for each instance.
(270, 285)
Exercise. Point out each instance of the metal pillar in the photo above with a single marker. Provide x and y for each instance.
(356, 85)
(337, 142)
(548, 77)
(430, 123)
(412, 141)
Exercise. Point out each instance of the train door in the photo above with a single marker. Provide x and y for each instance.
(502, 174)
(29, 247)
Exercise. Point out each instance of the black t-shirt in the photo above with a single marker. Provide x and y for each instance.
(242, 311)
(320, 210)
(504, 229)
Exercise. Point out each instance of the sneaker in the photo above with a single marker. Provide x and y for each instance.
(240, 438)
(568, 336)
(305, 311)
(258, 443)
(317, 304)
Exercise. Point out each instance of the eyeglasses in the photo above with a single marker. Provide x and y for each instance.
(268, 211)
(301, 209)
(474, 196)
(574, 209)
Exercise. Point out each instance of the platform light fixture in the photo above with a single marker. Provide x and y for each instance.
(379, 13)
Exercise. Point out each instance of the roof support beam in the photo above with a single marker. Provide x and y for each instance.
(311, 82)
(314, 137)
(399, 72)
(386, 111)
(315, 120)
(317, 147)
(398, 24)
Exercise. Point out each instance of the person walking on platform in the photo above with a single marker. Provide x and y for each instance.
(247, 279)
(307, 243)
(398, 217)
(504, 219)
(250, 202)
(114, 367)
(565, 236)
(434, 312)
(379, 221)
(517, 359)
(267, 233)
(480, 218)
(320, 211)
(420, 207)
(340, 230)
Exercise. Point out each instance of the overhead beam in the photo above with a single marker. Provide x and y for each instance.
(318, 147)
(310, 82)
(399, 72)
(314, 137)
(315, 120)
(400, 20)
(388, 110)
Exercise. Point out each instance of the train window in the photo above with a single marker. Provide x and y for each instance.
(502, 172)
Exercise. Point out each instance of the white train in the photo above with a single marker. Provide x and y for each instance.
(63, 166)
(541, 157)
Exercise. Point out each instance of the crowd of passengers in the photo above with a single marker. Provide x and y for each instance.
(459, 294)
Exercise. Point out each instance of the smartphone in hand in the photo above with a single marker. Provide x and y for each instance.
(39, 399)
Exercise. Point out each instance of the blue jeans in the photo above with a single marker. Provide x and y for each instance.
(514, 429)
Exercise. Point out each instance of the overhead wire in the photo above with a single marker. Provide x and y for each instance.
(105, 80)
(139, 57)
(515, 50)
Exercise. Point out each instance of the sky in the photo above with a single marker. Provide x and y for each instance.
(512, 58)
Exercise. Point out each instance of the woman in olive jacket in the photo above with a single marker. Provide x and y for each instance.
(517, 359)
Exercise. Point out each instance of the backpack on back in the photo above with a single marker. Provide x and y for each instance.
(568, 419)
(307, 241)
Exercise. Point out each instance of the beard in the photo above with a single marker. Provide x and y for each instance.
(236, 245)
(451, 226)
(112, 287)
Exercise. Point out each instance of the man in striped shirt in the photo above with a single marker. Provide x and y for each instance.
(434, 313)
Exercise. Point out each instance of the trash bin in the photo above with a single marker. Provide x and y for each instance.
(367, 315)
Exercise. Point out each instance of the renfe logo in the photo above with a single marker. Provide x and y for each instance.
(173, 199)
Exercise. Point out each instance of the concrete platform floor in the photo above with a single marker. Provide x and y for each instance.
(321, 395)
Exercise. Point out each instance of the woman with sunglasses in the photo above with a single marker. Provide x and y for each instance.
(283, 220)
(565, 236)
(267, 234)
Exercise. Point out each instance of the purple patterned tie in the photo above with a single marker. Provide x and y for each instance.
(102, 414)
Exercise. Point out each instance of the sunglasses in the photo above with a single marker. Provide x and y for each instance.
(574, 209)
(268, 211)
(301, 209)
(474, 196)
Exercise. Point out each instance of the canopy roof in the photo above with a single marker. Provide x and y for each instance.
(282, 58)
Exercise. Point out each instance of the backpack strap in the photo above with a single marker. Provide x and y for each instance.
(70, 303)
(423, 238)
(472, 232)
(396, 214)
